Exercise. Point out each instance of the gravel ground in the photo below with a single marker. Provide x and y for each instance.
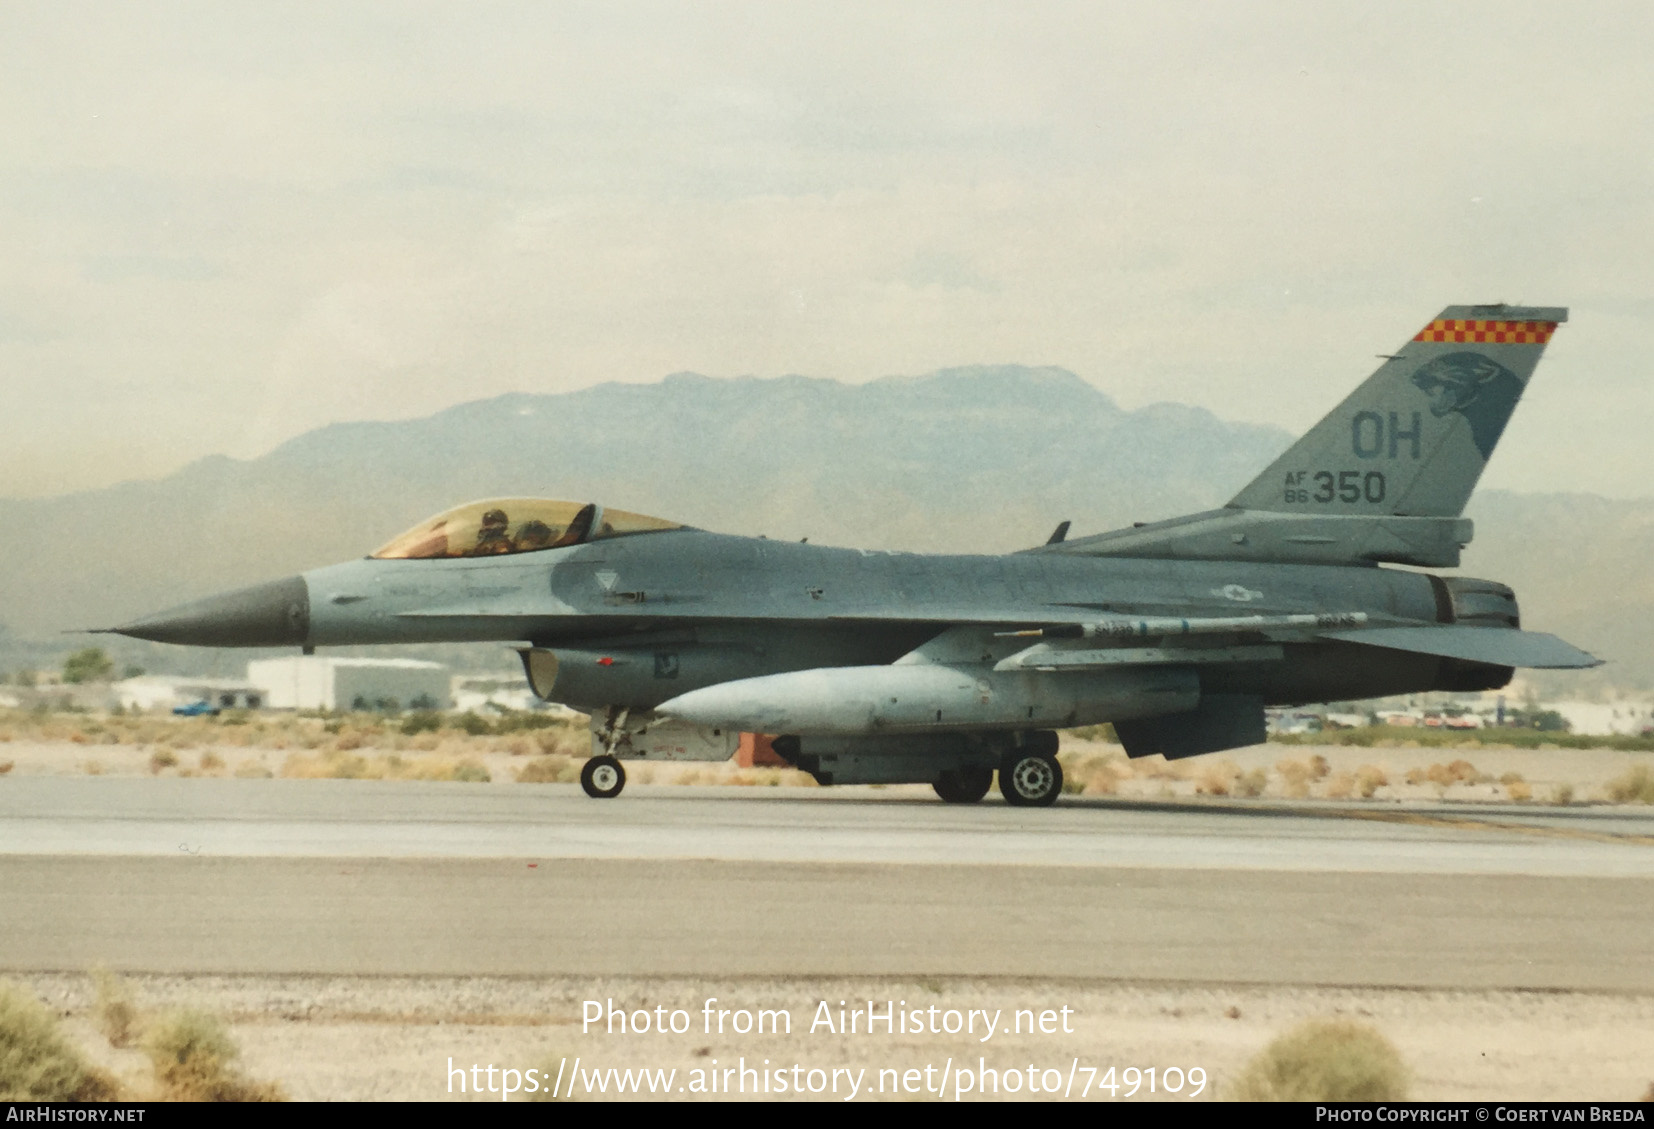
(393, 1038)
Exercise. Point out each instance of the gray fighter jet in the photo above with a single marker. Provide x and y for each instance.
(903, 667)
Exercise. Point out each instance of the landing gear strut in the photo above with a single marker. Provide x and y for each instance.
(603, 778)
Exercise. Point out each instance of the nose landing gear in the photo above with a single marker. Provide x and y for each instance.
(603, 778)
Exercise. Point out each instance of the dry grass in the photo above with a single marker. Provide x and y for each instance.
(342, 765)
(1335, 1060)
(420, 731)
(37, 1064)
(555, 769)
(194, 1061)
(1444, 776)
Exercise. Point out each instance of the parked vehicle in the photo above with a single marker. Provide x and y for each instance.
(196, 709)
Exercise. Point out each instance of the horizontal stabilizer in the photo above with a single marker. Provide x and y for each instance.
(1495, 646)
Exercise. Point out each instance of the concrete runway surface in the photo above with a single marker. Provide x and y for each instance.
(363, 877)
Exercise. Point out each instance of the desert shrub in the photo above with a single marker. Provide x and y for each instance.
(1369, 778)
(1334, 1060)
(162, 758)
(115, 1011)
(1216, 779)
(1252, 784)
(1464, 772)
(470, 772)
(1295, 777)
(7, 766)
(474, 725)
(194, 1061)
(1341, 786)
(1519, 790)
(1635, 787)
(1562, 794)
(211, 761)
(37, 1064)
(421, 721)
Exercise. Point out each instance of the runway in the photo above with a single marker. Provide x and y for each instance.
(274, 876)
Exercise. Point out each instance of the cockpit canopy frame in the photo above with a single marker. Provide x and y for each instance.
(503, 526)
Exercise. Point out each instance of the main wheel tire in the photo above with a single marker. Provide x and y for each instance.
(1030, 780)
(964, 785)
(603, 778)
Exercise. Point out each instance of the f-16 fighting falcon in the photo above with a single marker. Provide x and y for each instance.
(944, 669)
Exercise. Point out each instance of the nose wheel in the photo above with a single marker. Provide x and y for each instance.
(603, 778)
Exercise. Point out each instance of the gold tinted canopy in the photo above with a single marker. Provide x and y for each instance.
(515, 525)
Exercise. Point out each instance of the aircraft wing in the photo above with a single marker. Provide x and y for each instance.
(1495, 646)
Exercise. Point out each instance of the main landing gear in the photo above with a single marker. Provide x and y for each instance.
(1029, 779)
(603, 778)
(964, 785)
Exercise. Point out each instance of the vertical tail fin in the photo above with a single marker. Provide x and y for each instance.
(1413, 438)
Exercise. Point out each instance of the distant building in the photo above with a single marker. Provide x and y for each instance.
(325, 682)
(161, 692)
(1606, 718)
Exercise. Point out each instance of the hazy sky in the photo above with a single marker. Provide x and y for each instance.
(222, 224)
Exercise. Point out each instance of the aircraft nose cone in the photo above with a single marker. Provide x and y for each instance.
(266, 615)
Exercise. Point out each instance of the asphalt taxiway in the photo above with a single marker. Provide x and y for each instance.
(266, 876)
